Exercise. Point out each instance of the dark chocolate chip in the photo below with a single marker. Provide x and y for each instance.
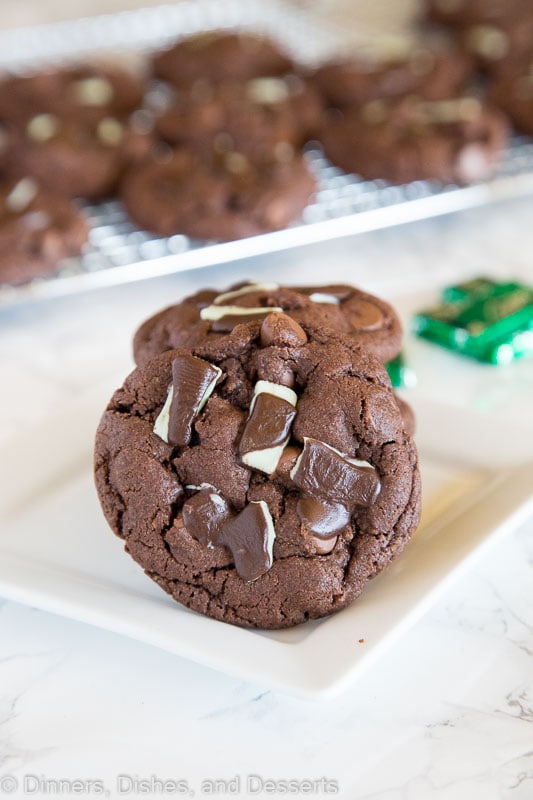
(280, 329)
(365, 316)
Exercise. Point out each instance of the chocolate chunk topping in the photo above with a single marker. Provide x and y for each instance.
(227, 297)
(280, 329)
(322, 518)
(268, 425)
(338, 291)
(204, 513)
(334, 482)
(365, 316)
(193, 380)
(323, 472)
(224, 318)
(250, 537)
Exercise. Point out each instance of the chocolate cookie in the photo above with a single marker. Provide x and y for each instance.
(219, 56)
(362, 318)
(433, 73)
(249, 501)
(37, 230)
(254, 117)
(80, 158)
(83, 92)
(451, 141)
(222, 197)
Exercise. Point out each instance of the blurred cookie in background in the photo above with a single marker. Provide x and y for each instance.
(219, 56)
(216, 196)
(450, 141)
(37, 230)
(432, 71)
(252, 117)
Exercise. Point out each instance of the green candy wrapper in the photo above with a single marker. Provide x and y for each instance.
(486, 320)
(401, 376)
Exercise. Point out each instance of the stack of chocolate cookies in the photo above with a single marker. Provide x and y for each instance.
(257, 463)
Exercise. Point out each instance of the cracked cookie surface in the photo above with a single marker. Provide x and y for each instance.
(344, 402)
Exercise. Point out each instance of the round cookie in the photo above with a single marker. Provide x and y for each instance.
(450, 141)
(362, 318)
(80, 158)
(37, 230)
(219, 56)
(83, 92)
(225, 197)
(263, 517)
(254, 117)
(433, 73)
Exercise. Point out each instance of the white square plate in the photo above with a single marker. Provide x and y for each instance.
(57, 553)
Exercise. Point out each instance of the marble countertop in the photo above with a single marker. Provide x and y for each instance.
(446, 714)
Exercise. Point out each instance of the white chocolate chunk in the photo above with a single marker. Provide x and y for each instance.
(21, 195)
(267, 91)
(456, 110)
(110, 131)
(209, 390)
(319, 297)
(213, 313)
(92, 91)
(218, 501)
(36, 220)
(223, 298)
(265, 460)
(488, 41)
(162, 421)
(275, 389)
(283, 152)
(236, 163)
(271, 535)
(42, 127)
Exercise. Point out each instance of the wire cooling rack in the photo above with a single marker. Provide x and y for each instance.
(118, 252)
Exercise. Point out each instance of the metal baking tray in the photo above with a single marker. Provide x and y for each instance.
(118, 252)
